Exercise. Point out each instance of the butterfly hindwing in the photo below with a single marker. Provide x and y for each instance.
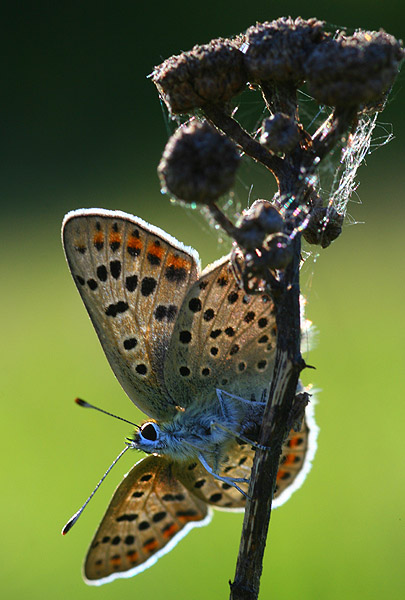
(150, 511)
(132, 278)
(295, 463)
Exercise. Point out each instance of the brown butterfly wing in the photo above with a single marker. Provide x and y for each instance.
(295, 462)
(132, 278)
(150, 511)
(222, 339)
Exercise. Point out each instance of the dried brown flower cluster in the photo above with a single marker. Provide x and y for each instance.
(209, 74)
(351, 74)
(278, 51)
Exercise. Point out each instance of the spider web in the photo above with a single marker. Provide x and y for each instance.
(360, 144)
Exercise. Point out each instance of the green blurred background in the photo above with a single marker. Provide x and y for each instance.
(83, 127)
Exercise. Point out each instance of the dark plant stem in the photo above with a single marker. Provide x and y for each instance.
(280, 98)
(291, 173)
(274, 430)
(249, 145)
(223, 221)
(330, 134)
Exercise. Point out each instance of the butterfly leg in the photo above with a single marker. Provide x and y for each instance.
(227, 480)
(239, 435)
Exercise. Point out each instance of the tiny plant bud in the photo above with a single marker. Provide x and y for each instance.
(280, 133)
(198, 164)
(259, 221)
(324, 226)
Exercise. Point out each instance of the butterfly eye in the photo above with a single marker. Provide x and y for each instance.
(149, 431)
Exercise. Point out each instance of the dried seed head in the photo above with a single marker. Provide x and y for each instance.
(324, 226)
(259, 221)
(209, 74)
(198, 163)
(277, 51)
(354, 70)
(280, 133)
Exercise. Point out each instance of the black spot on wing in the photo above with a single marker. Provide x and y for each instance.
(129, 540)
(115, 268)
(127, 517)
(130, 343)
(175, 274)
(92, 283)
(102, 273)
(148, 286)
(185, 337)
(195, 305)
(208, 314)
(141, 369)
(163, 311)
(114, 309)
(131, 282)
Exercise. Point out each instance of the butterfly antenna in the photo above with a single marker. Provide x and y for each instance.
(85, 404)
(77, 514)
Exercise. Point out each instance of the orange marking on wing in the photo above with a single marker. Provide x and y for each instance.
(115, 237)
(289, 459)
(280, 474)
(294, 441)
(157, 251)
(134, 242)
(133, 556)
(177, 262)
(150, 546)
(186, 518)
(98, 238)
(115, 560)
(167, 533)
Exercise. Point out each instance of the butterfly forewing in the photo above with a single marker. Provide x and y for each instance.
(132, 278)
(151, 510)
(222, 339)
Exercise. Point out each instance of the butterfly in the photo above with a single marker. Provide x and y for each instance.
(195, 353)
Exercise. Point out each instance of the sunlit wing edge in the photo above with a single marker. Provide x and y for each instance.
(309, 457)
(118, 214)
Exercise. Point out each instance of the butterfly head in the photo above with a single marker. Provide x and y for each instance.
(148, 438)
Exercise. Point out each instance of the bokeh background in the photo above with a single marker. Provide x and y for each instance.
(83, 127)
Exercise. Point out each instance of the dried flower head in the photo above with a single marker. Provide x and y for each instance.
(277, 51)
(354, 70)
(198, 163)
(209, 74)
(280, 133)
(259, 221)
(324, 226)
